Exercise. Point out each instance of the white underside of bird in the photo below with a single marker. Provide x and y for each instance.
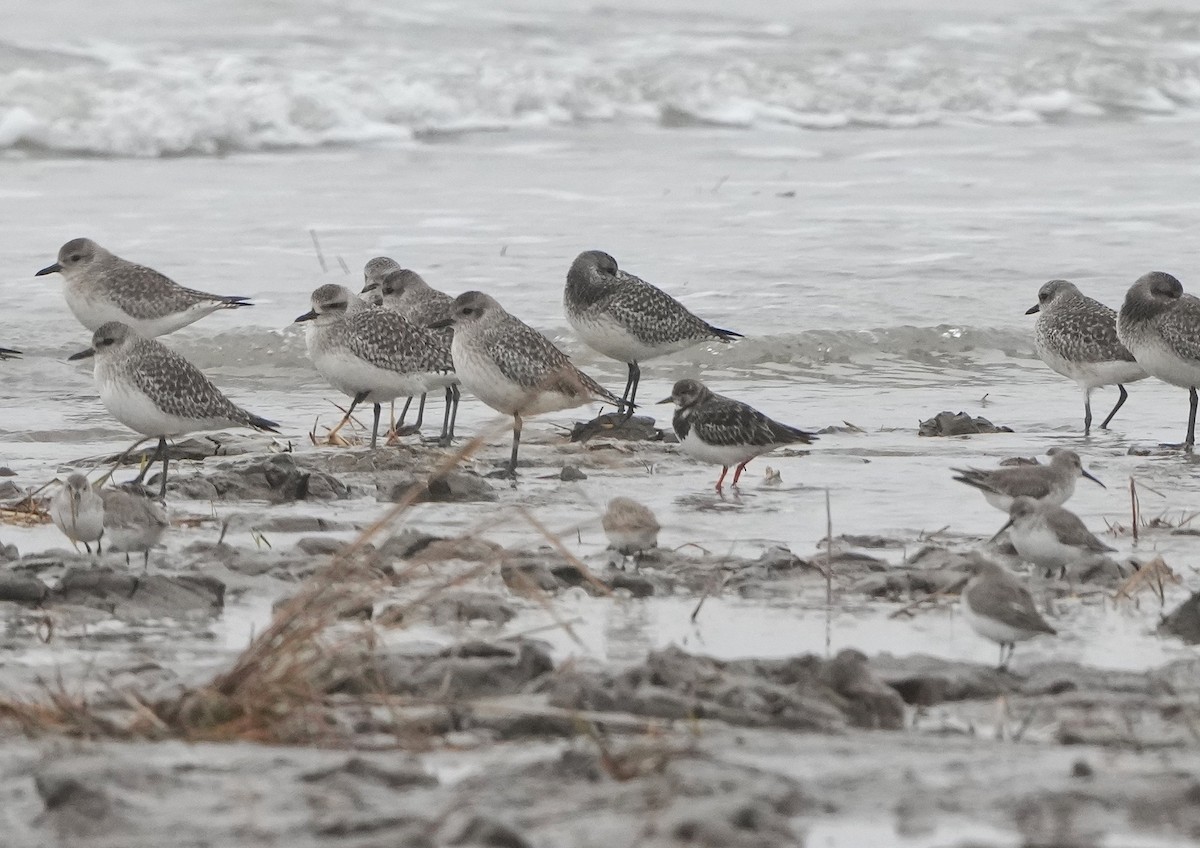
(1160, 361)
(93, 310)
(990, 628)
(480, 376)
(134, 408)
(614, 341)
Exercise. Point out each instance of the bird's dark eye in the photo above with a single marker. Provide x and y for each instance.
(339, 305)
(468, 311)
(75, 257)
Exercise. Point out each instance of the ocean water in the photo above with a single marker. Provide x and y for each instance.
(871, 191)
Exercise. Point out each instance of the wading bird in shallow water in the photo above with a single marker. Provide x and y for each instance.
(630, 526)
(133, 523)
(714, 428)
(1077, 337)
(154, 391)
(78, 512)
(1050, 537)
(1161, 327)
(998, 607)
(1051, 484)
(629, 320)
(101, 287)
(512, 367)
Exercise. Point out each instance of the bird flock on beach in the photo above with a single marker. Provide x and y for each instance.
(400, 338)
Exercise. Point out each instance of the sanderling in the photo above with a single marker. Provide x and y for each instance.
(631, 527)
(154, 391)
(1050, 537)
(1161, 327)
(101, 287)
(1051, 484)
(372, 354)
(998, 607)
(78, 512)
(405, 292)
(9, 353)
(133, 523)
(1077, 337)
(627, 319)
(714, 428)
(512, 367)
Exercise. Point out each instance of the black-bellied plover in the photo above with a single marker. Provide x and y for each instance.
(512, 367)
(718, 429)
(406, 293)
(1077, 337)
(372, 355)
(373, 273)
(9, 353)
(627, 319)
(1052, 483)
(998, 607)
(101, 287)
(78, 512)
(1161, 327)
(154, 391)
(630, 526)
(133, 523)
(1050, 537)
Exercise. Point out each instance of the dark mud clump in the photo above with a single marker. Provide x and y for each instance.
(958, 424)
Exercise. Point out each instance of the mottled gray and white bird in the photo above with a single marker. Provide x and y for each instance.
(628, 319)
(1161, 327)
(1050, 537)
(154, 391)
(101, 287)
(372, 355)
(997, 606)
(1077, 337)
(1052, 484)
(512, 367)
(714, 428)
(630, 526)
(9, 353)
(133, 523)
(373, 273)
(78, 512)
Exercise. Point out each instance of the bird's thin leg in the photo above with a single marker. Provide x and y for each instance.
(457, 396)
(512, 463)
(738, 473)
(166, 456)
(146, 560)
(98, 541)
(631, 386)
(127, 559)
(446, 438)
(1120, 402)
(1000, 667)
(721, 479)
(628, 384)
(375, 426)
(87, 547)
(420, 413)
(355, 401)
(147, 466)
(1087, 412)
(1191, 434)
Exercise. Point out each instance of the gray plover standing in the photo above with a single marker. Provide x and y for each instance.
(512, 367)
(9, 353)
(630, 526)
(78, 512)
(1077, 337)
(998, 607)
(628, 319)
(101, 287)
(1161, 327)
(373, 273)
(133, 523)
(718, 429)
(1052, 484)
(154, 391)
(1050, 537)
(372, 355)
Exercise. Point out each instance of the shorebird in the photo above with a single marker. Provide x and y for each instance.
(512, 367)
(998, 607)
(1077, 337)
(154, 391)
(133, 523)
(8, 353)
(1051, 484)
(1161, 327)
(372, 355)
(714, 428)
(629, 320)
(373, 273)
(101, 287)
(78, 512)
(631, 527)
(1050, 537)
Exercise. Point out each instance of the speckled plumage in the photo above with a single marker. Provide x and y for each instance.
(630, 526)
(101, 287)
(406, 292)
(998, 607)
(373, 273)
(1052, 484)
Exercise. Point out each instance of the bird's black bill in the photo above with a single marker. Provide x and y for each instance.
(1094, 479)
(441, 324)
(83, 354)
(1033, 309)
(49, 269)
(1007, 524)
(310, 315)
(665, 400)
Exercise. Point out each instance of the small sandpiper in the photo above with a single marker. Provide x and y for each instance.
(101, 287)
(630, 526)
(372, 355)
(1051, 484)
(133, 523)
(9, 353)
(1161, 327)
(628, 319)
(718, 429)
(997, 606)
(78, 512)
(1077, 337)
(1050, 537)
(512, 367)
(154, 391)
